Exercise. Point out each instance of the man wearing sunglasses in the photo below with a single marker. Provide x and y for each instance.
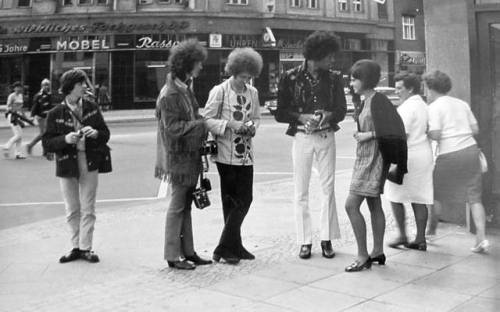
(311, 100)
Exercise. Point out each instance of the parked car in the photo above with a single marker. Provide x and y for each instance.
(390, 92)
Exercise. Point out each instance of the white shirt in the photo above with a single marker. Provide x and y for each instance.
(453, 117)
(15, 102)
(415, 117)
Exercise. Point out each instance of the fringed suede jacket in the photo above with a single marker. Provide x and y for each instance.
(181, 131)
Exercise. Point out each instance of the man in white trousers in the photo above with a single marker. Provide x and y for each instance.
(311, 100)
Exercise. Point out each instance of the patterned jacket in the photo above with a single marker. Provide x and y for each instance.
(296, 95)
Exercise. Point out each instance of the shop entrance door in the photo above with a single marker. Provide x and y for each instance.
(486, 104)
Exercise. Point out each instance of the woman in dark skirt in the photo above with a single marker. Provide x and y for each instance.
(381, 141)
(457, 172)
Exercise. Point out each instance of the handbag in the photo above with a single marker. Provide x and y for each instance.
(483, 162)
(200, 194)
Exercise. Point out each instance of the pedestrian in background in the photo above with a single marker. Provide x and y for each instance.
(15, 102)
(103, 98)
(232, 114)
(381, 141)
(77, 134)
(181, 131)
(417, 187)
(311, 100)
(42, 103)
(457, 172)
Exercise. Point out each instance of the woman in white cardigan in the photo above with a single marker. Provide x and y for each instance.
(232, 114)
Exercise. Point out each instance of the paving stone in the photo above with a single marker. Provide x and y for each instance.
(375, 306)
(300, 274)
(423, 298)
(426, 259)
(479, 304)
(314, 299)
(491, 293)
(253, 287)
(358, 284)
(464, 283)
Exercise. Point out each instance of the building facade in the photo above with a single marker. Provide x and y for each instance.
(124, 44)
(409, 36)
(463, 40)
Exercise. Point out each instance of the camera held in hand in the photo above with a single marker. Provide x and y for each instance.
(80, 133)
(209, 147)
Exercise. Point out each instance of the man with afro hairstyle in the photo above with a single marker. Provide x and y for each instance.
(311, 100)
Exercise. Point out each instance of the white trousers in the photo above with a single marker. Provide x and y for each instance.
(306, 147)
(79, 196)
(16, 139)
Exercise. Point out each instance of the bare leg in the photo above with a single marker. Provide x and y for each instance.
(398, 210)
(378, 224)
(479, 218)
(420, 211)
(434, 219)
(352, 206)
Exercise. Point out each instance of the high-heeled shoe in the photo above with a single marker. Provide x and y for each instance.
(327, 249)
(357, 266)
(227, 257)
(305, 251)
(181, 265)
(398, 242)
(197, 260)
(417, 246)
(244, 254)
(481, 247)
(380, 259)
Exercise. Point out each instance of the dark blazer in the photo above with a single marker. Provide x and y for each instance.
(391, 136)
(60, 123)
(295, 97)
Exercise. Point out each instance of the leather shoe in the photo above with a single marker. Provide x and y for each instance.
(73, 255)
(422, 246)
(197, 260)
(305, 251)
(181, 265)
(228, 257)
(245, 254)
(327, 250)
(89, 256)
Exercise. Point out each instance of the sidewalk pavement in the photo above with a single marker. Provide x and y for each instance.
(132, 275)
(123, 116)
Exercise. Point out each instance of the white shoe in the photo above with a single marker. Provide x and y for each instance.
(481, 247)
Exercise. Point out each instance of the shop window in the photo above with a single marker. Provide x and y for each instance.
(295, 3)
(145, 1)
(312, 4)
(343, 5)
(11, 69)
(240, 2)
(357, 5)
(102, 2)
(408, 28)
(164, 1)
(67, 2)
(150, 74)
(84, 2)
(23, 3)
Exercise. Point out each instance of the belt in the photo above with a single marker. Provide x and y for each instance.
(303, 130)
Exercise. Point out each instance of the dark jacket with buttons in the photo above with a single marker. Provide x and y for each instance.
(297, 96)
(60, 123)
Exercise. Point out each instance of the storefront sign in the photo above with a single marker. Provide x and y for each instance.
(411, 58)
(215, 41)
(238, 41)
(100, 27)
(14, 46)
(148, 43)
(292, 45)
(74, 45)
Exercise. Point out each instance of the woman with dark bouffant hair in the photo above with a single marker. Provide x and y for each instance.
(181, 131)
(381, 141)
(77, 134)
(232, 114)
